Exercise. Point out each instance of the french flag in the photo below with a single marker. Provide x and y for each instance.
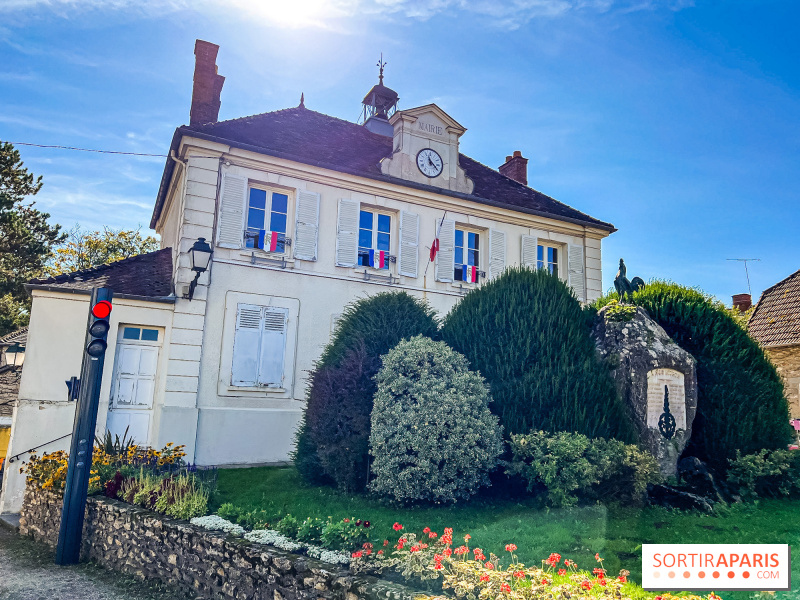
(377, 260)
(469, 273)
(273, 240)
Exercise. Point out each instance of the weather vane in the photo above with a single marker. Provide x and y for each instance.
(381, 64)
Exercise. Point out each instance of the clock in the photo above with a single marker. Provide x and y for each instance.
(429, 162)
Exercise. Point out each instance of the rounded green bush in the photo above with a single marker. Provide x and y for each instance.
(741, 403)
(527, 335)
(332, 441)
(433, 436)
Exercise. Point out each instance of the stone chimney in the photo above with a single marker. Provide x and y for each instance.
(207, 84)
(743, 302)
(516, 168)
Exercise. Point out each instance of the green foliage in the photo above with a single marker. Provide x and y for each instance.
(310, 530)
(568, 467)
(433, 436)
(345, 534)
(741, 403)
(288, 526)
(620, 312)
(26, 238)
(527, 335)
(115, 446)
(179, 497)
(86, 249)
(766, 473)
(332, 443)
(249, 519)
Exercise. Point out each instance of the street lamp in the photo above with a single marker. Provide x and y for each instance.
(201, 257)
(13, 353)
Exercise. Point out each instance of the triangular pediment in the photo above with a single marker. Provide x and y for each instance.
(429, 112)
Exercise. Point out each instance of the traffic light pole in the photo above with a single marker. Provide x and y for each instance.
(83, 429)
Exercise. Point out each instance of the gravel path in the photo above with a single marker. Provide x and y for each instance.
(27, 572)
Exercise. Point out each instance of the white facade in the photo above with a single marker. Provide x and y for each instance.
(231, 364)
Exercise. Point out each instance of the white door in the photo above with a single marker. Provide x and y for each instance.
(134, 384)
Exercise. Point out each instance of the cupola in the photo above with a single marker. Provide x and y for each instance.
(380, 103)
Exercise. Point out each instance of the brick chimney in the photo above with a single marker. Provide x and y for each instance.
(742, 302)
(516, 168)
(207, 84)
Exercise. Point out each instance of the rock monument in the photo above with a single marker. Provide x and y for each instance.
(655, 377)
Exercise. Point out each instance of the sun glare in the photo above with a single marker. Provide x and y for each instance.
(293, 13)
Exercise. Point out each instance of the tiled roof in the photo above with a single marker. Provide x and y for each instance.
(144, 275)
(20, 336)
(776, 318)
(311, 137)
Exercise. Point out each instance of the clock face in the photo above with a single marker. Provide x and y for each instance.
(429, 162)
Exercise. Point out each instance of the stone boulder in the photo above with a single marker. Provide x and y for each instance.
(645, 361)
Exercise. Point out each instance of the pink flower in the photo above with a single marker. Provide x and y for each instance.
(511, 547)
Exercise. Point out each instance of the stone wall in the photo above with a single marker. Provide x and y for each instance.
(202, 563)
(787, 361)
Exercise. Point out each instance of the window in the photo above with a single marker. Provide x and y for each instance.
(266, 220)
(259, 346)
(547, 258)
(467, 256)
(140, 333)
(374, 239)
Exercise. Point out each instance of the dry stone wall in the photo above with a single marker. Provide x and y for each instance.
(787, 361)
(202, 563)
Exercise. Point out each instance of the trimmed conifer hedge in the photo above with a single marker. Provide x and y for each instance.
(741, 403)
(332, 444)
(526, 333)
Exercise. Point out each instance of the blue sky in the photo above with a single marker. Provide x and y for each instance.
(675, 120)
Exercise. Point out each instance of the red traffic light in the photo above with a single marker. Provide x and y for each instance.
(102, 309)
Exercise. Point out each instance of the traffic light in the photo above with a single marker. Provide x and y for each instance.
(98, 329)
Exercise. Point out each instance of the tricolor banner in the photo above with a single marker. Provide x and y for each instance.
(377, 260)
(268, 240)
(469, 273)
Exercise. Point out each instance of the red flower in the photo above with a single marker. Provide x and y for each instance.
(367, 545)
(423, 546)
(448, 531)
(511, 547)
(587, 585)
(519, 574)
(562, 571)
(438, 566)
(400, 543)
(657, 598)
(485, 577)
(545, 582)
(358, 554)
(367, 552)
(426, 530)
(380, 552)
(505, 588)
(599, 572)
(347, 520)
(461, 550)
(397, 526)
(467, 537)
(602, 582)
(623, 579)
(597, 557)
(447, 551)
(414, 548)
(553, 559)
(432, 535)
(489, 565)
(385, 542)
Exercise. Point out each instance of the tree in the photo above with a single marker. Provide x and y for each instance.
(26, 238)
(86, 249)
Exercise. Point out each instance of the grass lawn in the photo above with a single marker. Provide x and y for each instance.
(616, 533)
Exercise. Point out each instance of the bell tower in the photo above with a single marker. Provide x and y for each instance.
(380, 103)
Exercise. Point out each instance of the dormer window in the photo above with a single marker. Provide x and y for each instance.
(266, 220)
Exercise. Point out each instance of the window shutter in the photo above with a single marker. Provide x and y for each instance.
(409, 244)
(231, 211)
(446, 256)
(273, 346)
(576, 280)
(244, 370)
(497, 252)
(530, 246)
(306, 226)
(347, 233)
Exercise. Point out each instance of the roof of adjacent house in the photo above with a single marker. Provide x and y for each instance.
(20, 336)
(776, 318)
(313, 138)
(145, 276)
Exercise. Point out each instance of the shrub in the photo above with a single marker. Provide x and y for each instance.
(310, 530)
(741, 404)
(527, 335)
(345, 534)
(569, 467)
(766, 473)
(332, 442)
(433, 437)
(175, 496)
(288, 526)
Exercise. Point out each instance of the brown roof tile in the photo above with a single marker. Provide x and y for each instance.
(776, 318)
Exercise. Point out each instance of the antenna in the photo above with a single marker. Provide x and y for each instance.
(746, 272)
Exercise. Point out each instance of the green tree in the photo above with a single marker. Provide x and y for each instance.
(26, 238)
(83, 249)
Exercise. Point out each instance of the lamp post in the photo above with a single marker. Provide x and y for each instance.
(12, 353)
(201, 257)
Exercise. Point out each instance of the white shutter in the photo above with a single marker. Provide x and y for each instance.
(306, 226)
(244, 370)
(497, 252)
(576, 280)
(446, 256)
(347, 233)
(409, 244)
(233, 198)
(530, 247)
(273, 346)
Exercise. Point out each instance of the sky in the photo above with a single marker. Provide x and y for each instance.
(677, 121)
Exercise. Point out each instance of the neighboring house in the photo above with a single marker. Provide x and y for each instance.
(775, 323)
(305, 213)
(12, 355)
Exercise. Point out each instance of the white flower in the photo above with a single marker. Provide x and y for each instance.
(215, 522)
